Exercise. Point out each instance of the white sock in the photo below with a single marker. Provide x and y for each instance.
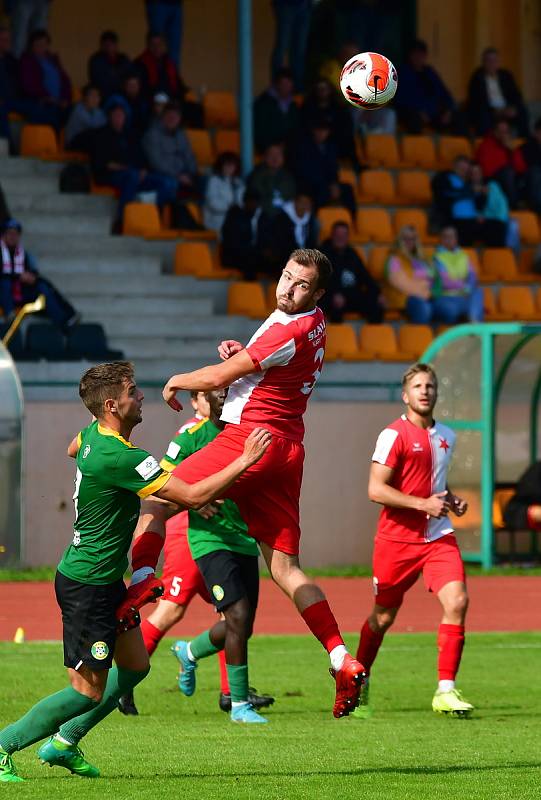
(61, 739)
(446, 686)
(236, 704)
(190, 654)
(337, 656)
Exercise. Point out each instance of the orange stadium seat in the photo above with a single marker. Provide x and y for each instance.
(499, 263)
(143, 219)
(419, 151)
(376, 261)
(416, 217)
(246, 298)
(538, 299)
(202, 146)
(414, 339)
(501, 498)
(38, 141)
(376, 186)
(413, 187)
(341, 343)
(373, 225)
(517, 302)
(474, 258)
(528, 226)
(227, 142)
(347, 175)
(195, 258)
(220, 109)
(381, 150)
(328, 215)
(492, 313)
(449, 147)
(472, 519)
(525, 265)
(378, 342)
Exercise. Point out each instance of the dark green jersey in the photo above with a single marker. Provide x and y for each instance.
(225, 531)
(112, 475)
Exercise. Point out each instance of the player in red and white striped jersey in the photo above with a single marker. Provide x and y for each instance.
(270, 382)
(415, 535)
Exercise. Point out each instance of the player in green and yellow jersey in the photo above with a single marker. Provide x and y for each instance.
(112, 475)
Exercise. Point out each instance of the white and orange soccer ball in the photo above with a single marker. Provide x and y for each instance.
(368, 80)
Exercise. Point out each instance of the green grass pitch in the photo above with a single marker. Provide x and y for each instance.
(185, 748)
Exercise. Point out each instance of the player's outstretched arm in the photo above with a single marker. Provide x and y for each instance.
(380, 491)
(199, 494)
(208, 379)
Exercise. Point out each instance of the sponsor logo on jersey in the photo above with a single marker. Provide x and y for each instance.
(444, 444)
(317, 331)
(173, 450)
(99, 650)
(417, 447)
(147, 468)
(86, 451)
(218, 592)
(76, 538)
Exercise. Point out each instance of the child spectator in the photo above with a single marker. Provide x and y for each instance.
(225, 188)
(409, 278)
(85, 118)
(108, 67)
(44, 82)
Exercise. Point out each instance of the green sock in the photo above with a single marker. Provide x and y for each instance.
(44, 718)
(119, 682)
(202, 647)
(238, 682)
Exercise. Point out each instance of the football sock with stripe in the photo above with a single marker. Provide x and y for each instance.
(201, 646)
(369, 644)
(152, 636)
(450, 647)
(238, 681)
(119, 681)
(224, 682)
(44, 718)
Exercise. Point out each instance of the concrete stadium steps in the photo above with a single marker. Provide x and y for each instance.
(140, 307)
(154, 347)
(92, 274)
(80, 224)
(171, 326)
(22, 202)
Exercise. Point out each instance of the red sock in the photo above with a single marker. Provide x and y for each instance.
(322, 623)
(450, 646)
(369, 644)
(224, 683)
(152, 636)
(146, 550)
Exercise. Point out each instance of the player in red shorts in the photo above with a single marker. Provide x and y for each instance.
(270, 382)
(409, 478)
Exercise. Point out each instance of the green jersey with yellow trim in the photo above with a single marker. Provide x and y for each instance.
(112, 475)
(226, 530)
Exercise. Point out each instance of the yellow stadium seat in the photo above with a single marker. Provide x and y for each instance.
(529, 227)
(202, 146)
(376, 261)
(419, 151)
(378, 342)
(247, 299)
(143, 219)
(499, 263)
(416, 217)
(492, 313)
(39, 141)
(220, 110)
(373, 225)
(341, 343)
(347, 175)
(381, 150)
(414, 339)
(473, 255)
(413, 187)
(227, 141)
(376, 186)
(327, 216)
(526, 265)
(196, 258)
(449, 147)
(517, 303)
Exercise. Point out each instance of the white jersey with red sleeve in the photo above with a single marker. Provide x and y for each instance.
(420, 460)
(287, 351)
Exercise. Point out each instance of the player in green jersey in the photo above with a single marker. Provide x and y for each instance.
(112, 475)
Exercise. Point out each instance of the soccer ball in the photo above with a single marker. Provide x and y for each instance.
(368, 80)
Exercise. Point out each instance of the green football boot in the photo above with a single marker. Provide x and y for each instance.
(8, 773)
(451, 703)
(364, 709)
(59, 754)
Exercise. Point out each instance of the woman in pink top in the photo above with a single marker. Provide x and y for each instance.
(409, 277)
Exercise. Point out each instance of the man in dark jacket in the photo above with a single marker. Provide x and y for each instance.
(108, 67)
(276, 116)
(493, 95)
(294, 227)
(531, 152)
(352, 288)
(244, 232)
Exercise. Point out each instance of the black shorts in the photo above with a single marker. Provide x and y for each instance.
(89, 621)
(229, 577)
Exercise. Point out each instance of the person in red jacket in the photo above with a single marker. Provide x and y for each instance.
(501, 162)
(44, 82)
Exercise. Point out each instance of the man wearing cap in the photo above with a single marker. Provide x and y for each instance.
(20, 281)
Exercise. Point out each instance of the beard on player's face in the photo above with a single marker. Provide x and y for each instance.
(423, 406)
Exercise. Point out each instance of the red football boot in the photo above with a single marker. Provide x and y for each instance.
(146, 591)
(349, 680)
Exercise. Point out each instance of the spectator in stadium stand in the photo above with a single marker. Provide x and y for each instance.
(44, 83)
(244, 232)
(4, 210)
(20, 281)
(169, 152)
(455, 292)
(293, 227)
(84, 120)
(409, 278)
(493, 209)
(167, 17)
(273, 182)
(159, 101)
(10, 94)
(502, 162)
(531, 153)
(323, 101)
(523, 511)
(291, 36)
(108, 67)
(118, 160)
(276, 115)
(137, 104)
(422, 99)
(225, 188)
(456, 203)
(493, 95)
(27, 16)
(351, 288)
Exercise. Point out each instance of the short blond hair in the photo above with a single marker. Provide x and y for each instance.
(414, 370)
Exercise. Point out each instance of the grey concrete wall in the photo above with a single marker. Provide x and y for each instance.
(338, 521)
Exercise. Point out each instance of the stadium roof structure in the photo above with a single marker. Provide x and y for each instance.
(489, 378)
